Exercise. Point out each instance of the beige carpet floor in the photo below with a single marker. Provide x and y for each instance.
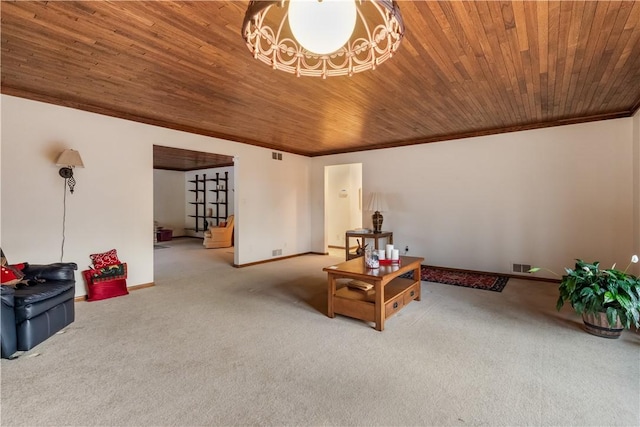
(215, 345)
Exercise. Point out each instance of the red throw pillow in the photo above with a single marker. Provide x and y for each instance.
(222, 224)
(105, 259)
(12, 274)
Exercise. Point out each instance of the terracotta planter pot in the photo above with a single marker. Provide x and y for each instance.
(597, 324)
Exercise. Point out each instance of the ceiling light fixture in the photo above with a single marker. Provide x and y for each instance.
(323, 38)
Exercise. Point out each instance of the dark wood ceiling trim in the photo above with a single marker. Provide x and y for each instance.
(635, 108)
(194, 169)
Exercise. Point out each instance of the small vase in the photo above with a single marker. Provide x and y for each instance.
(371, 259)
(597, 324)
(376, 219)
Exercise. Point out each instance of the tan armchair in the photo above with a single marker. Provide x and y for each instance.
(219, 237)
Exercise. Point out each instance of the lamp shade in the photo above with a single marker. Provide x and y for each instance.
(70, 158)
(377, 203)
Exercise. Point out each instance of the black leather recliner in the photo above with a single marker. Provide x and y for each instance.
(31, 314)
(8, 338)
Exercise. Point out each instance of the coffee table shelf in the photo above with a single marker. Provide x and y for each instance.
(389, 295)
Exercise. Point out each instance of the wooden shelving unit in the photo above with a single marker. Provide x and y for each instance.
(220, 202)
(219, 205)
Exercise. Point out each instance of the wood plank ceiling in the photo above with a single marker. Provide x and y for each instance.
(186, 160)
(463, 69)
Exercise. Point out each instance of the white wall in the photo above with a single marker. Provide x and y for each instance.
(272, 196)
(113, 203)
(112, 206)
(168, 200)
(542, 197)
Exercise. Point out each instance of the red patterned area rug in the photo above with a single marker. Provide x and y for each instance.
(486, 281)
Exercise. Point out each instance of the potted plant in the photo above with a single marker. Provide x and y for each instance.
(607, 299)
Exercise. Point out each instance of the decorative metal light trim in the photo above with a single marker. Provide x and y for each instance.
(376, 37)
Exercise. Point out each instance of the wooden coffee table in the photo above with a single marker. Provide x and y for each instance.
(389, 294)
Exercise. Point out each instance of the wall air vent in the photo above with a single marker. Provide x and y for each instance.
(521, 268)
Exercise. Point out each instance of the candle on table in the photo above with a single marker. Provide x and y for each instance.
(389, 251)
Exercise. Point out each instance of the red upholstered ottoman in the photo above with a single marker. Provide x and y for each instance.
(107, 282)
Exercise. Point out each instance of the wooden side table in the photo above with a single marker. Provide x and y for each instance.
(364, 236)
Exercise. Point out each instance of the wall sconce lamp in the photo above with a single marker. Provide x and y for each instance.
(69, 159)
(377, 204)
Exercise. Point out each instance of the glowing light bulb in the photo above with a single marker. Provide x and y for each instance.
(322, 26)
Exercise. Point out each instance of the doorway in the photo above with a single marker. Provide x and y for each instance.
(181, 206)
(343, 202)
